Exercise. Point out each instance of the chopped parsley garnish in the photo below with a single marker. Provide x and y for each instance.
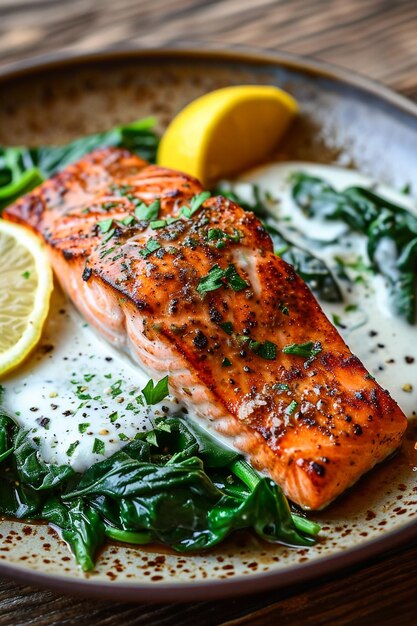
(227, 327)
(158, 224)
(116, 388)
(88, 377)
(151, 246)
(156, 393)
(218, 277)
(308, 349)
(127, 221)
(226, 362)
(72, 447)
(291, 407)
(106, 252)
(139, 400)
(98, 446)
(81, 393)
(234, 280)
(283, 308)
(123, 437)
(113, 417)
(148, 213)
(83, 427)
(195, 204)
(337, 321)
(220, 237)
(282, 387)
(349, 308)
(26, 275)
(105, 225)
(109, 235)
(266, 350)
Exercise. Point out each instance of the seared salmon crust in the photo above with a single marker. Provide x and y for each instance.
(198, 293)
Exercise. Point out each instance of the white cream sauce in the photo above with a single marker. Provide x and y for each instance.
(77, 395)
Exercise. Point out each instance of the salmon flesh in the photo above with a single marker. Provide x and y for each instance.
(193, 289)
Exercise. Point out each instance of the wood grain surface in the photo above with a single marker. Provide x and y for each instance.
(374, 37)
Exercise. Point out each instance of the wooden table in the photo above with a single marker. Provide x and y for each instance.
(374, 37)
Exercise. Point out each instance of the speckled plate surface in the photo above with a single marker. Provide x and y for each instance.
(345, 120)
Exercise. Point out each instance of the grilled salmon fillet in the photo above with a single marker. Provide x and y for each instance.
(197, 292)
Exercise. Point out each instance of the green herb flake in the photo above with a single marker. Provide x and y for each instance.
(123, 437)
(89, 377)
(105, 225)
(220, 237)
(291, 407)
(337, 320)
(309, 349)
(128, 220)
(99, 446)
(226, 362)
(234, 280)
(116, 388)
(283, 308)
(214, 234)
(266, 350)
(155, 393)
(81, 393)
(104, 253)
(139, 400)
(26, 275)
(109, 235)
(72, 447)
(83, 427)
(227, 327)
(218, 277)
(212, 281)
(148, 213)
(113, 417)
(282, 387)
(158, 224)
(350, 308)
(151, 246)
(195, 204)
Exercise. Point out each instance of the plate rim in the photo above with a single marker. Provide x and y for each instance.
(248, 583)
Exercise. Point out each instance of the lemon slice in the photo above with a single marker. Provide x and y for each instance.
(226, 131)
(25, 290)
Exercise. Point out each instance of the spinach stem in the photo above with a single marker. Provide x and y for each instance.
(246, 473)
(251, 478)
(127, 536)
(305, 525)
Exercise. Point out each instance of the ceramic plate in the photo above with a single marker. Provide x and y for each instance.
(344, 120)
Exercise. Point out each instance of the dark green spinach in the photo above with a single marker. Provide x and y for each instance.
(22, 168)
(174, 485)
(390, 229)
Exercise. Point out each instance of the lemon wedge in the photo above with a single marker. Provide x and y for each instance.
(25, 289)
(226, 131)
